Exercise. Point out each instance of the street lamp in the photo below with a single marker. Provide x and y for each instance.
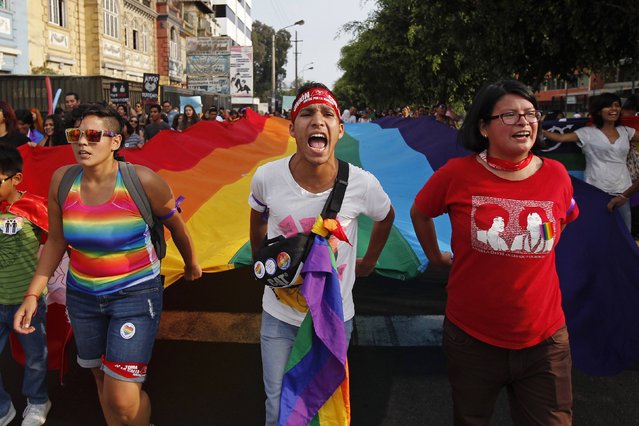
(300, 22)
(306, 68)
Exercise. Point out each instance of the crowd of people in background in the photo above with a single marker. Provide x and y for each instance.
(142, 122)
(440, 112)
(19, 126)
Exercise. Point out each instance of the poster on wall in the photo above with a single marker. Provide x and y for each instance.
(150, 88)
(214, 83)
(119, 92)
(241, 71)
(203, 65)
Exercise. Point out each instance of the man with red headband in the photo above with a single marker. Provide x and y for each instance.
(292, 192)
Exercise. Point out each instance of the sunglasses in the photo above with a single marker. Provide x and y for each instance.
(7, 178)
(93, 136)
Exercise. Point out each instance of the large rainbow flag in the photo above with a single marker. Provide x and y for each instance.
(211, 164)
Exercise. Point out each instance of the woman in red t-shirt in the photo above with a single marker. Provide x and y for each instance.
(504, 324)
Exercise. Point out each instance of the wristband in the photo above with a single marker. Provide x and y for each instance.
(174, 209)
(37, 298)
(623, 196)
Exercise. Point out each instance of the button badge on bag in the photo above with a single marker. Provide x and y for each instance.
(283, 261)
(259, 270)
(270, 266)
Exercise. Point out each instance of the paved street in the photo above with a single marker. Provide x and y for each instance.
(204, 374)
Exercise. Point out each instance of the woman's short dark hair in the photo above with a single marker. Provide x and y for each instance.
(111, 117)
(481, 110)
(599, 102)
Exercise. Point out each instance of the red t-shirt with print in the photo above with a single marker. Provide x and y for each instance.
(503, 287)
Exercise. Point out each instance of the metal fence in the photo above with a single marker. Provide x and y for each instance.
(30, 91)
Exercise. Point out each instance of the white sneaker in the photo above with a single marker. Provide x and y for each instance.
(35, 414)
(6, 419)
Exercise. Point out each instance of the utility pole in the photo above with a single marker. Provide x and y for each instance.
(296, 56)
(273, 76)
(273, 73)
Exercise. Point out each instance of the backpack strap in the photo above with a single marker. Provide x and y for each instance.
(67, 182)
(136, 190)
(334, 201)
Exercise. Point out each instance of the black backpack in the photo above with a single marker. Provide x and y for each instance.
(136, 190)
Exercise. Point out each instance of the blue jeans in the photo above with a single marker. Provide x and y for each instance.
(277, 338)
(34, 384)
(116, 331)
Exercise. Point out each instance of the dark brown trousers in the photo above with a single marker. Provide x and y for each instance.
(538, 379)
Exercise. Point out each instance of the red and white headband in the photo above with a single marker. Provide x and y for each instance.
(316, 95)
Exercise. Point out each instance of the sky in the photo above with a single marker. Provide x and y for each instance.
(321, 44)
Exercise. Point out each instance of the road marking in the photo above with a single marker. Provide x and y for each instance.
(225, 327)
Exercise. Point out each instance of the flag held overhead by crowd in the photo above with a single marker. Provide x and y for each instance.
(211, 164)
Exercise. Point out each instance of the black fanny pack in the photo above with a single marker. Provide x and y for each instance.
(279, 262)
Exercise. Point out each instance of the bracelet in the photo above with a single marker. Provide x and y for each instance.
(623, 196)
(30, 294)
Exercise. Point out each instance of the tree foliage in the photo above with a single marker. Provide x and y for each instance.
(261, 37)
(423, 51)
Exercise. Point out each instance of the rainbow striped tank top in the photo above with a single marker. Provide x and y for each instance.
(110, 244)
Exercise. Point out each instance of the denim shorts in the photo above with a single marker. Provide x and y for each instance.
(115, 332)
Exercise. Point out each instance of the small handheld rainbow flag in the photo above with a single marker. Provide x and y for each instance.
(547, 231)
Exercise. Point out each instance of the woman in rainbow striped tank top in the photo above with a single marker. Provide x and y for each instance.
(114, 287)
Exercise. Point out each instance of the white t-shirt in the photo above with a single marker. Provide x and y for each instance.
(292, 209)
(606, 162)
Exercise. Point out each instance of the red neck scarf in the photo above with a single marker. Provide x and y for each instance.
(316, 95)
(505, 165)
